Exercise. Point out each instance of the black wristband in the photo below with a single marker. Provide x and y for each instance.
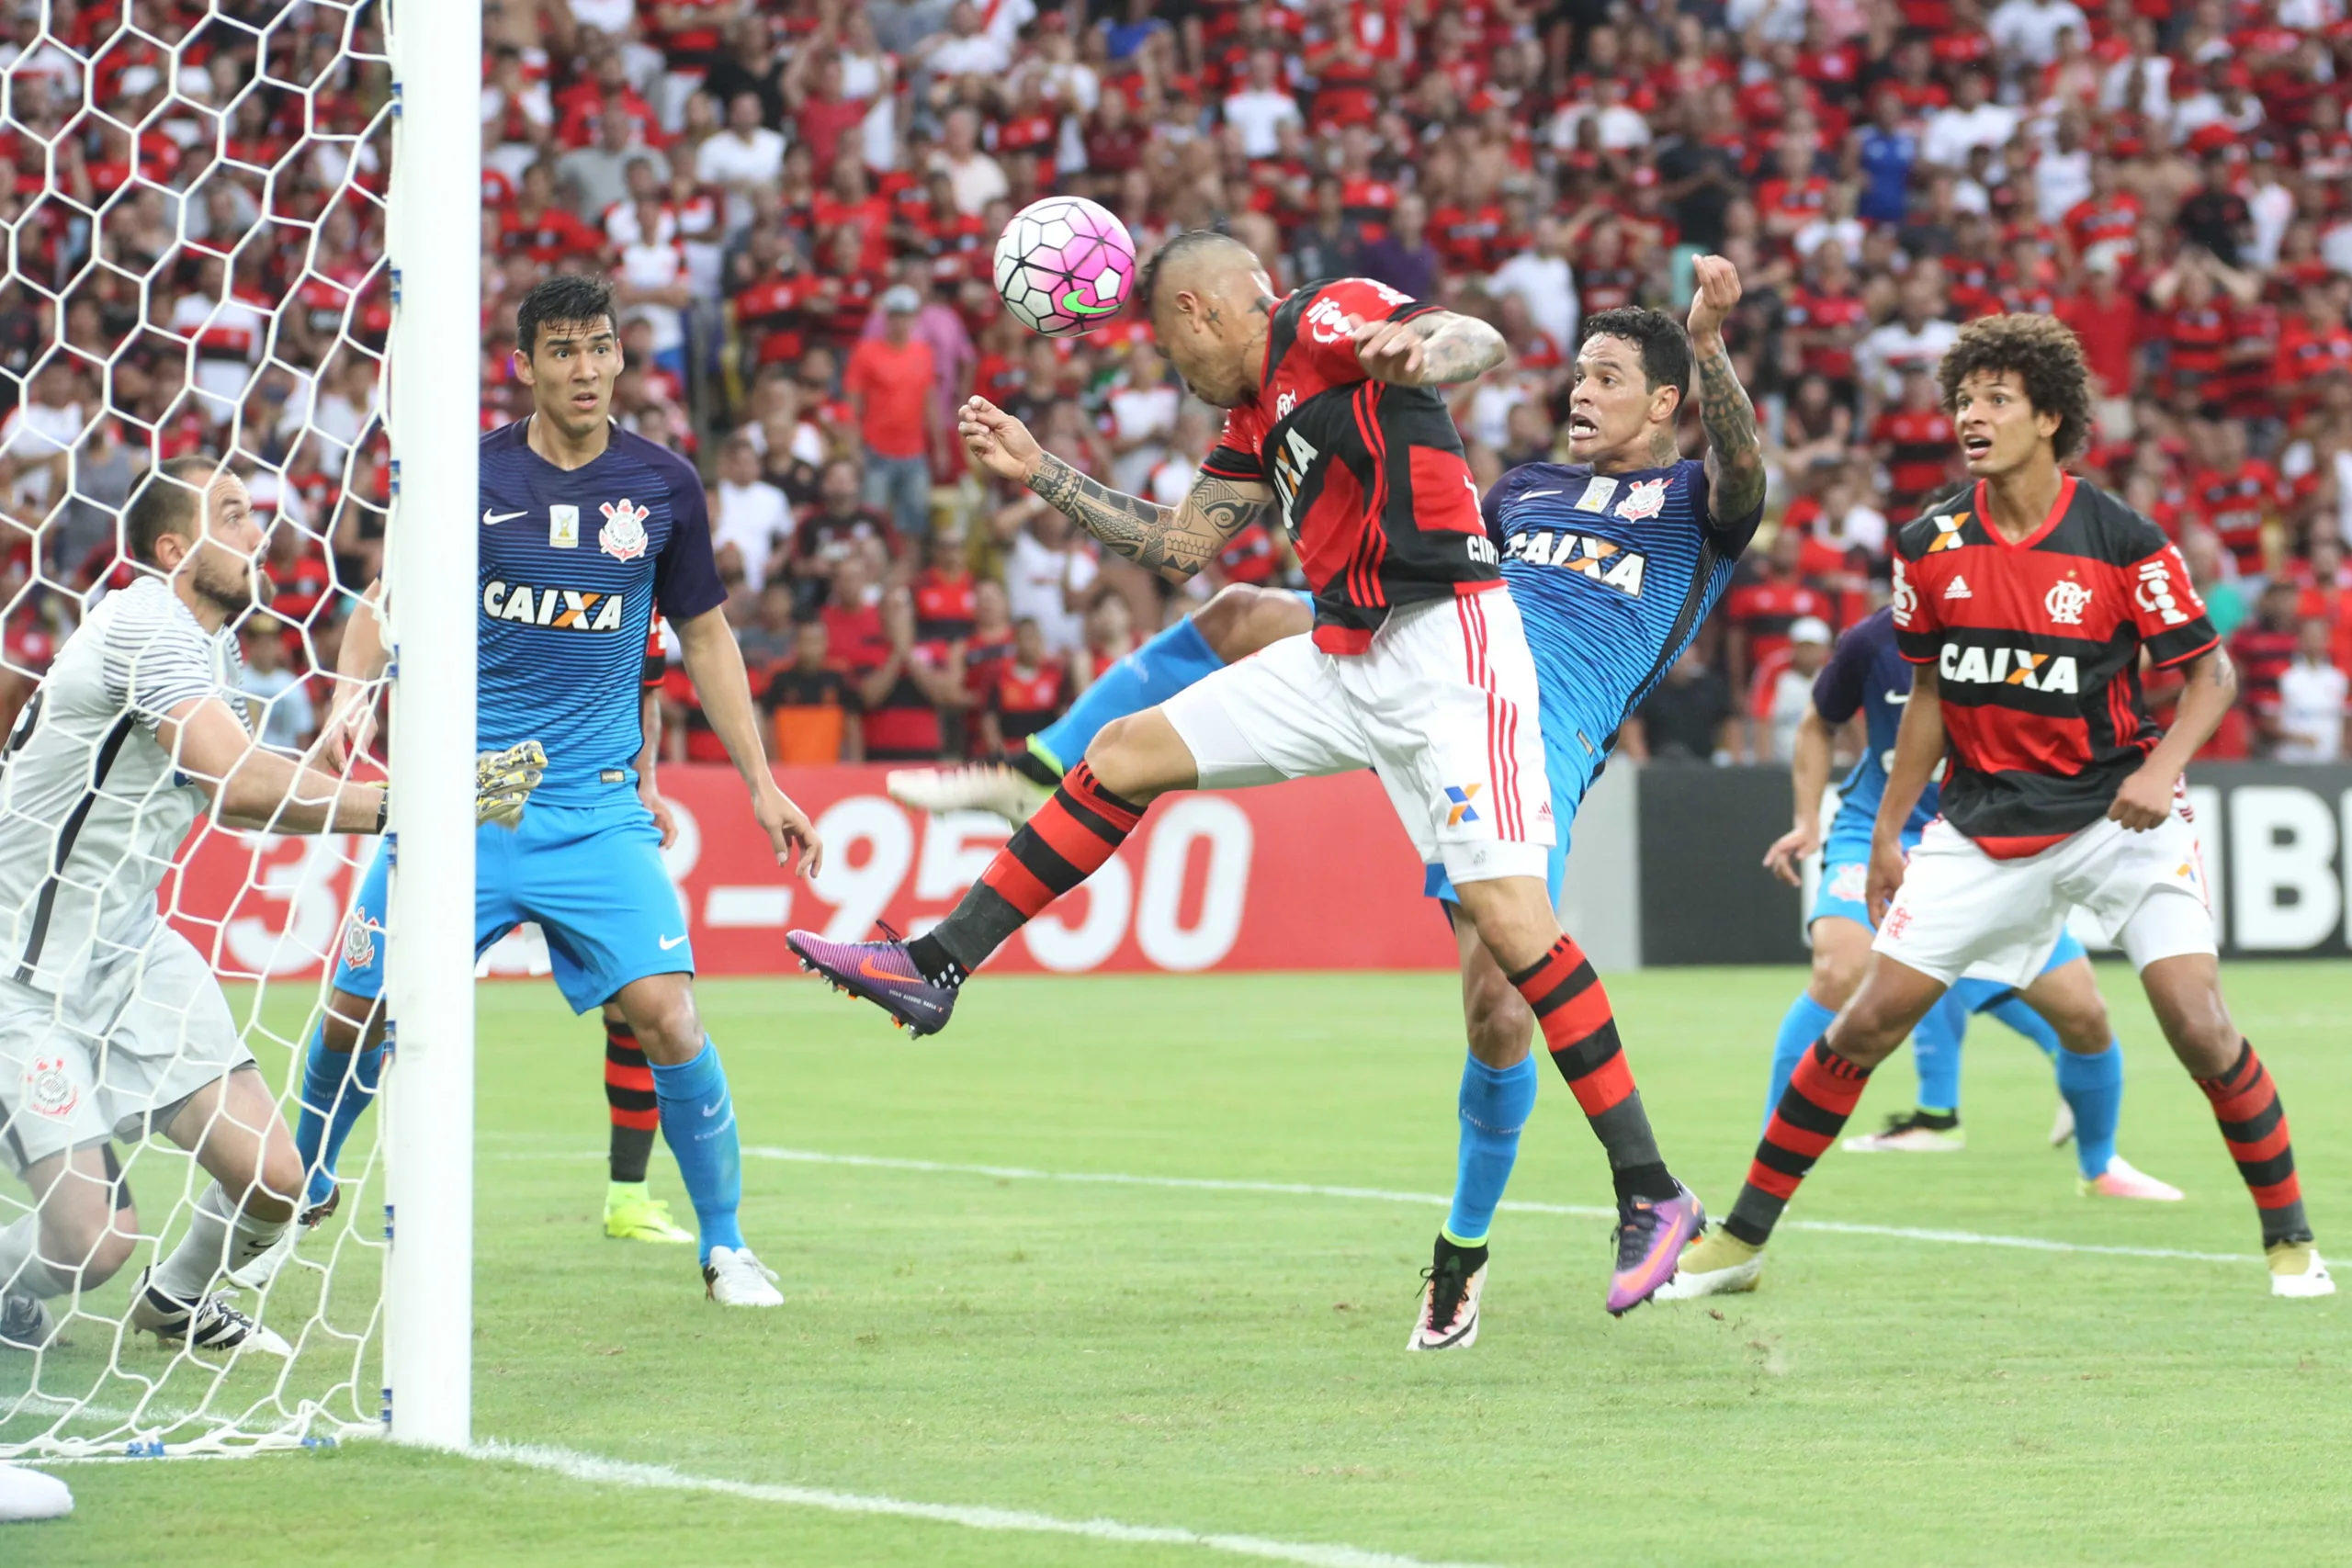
(383, 810)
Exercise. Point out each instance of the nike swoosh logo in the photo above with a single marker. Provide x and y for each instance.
(714, 1108)
(1897, 699)
(489, 517)
(1071, 303)
(670, 942)
(865, 967)
(1532, 494)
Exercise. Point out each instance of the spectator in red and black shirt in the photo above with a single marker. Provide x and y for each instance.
(902, 696)
(1915, 442)
(947, 594)
(1029, 692)
(2264, 648)
(1762, 609)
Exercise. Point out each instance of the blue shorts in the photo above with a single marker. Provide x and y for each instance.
(1844, 883)
(590, 876)
(1568, 785)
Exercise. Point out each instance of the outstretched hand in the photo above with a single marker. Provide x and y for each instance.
(1389, 351)
(998, 442)
(1716, 290)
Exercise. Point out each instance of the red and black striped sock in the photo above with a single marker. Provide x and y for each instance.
(1063, 844)
(2246, 1103)
(629, 1097)
(1821, 1095)
(1581, 1032)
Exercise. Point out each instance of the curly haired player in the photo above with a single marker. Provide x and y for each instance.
(2025, 608)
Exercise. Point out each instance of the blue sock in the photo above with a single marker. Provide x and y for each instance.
(2013, 1010)
(1145, 678)
(1935, 1052)
(335, 1090)
(699, 1123)
(2093, 1087)
(1496, 1104)
(1805, 1022)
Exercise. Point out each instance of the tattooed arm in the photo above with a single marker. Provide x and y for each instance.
(1174, 541)
(1435, 350)
(1734, 453)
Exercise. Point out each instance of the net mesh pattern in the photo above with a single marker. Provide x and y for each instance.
(194, 266)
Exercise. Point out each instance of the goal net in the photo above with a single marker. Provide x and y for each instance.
(204, 245)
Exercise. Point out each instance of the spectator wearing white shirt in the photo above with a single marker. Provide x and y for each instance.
(1143, 415)
(965, 48)
(1915, 341)
(975, 178)
(743, 157)
(652, 286)
(2312, 699)
(747, 512)
(1541, 276)
(1782, 693)
(2028, 29)
(1972, 120)
(1262, 106)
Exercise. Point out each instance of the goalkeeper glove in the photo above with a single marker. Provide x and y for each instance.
(504, 782)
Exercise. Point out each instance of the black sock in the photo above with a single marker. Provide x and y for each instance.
(1033, 768)
(938, 966)
(1650, 1181)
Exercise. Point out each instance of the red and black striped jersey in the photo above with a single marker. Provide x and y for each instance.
(1371, 478)
(2036, 646)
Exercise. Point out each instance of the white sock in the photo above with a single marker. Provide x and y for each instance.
(21, 1268)
(220, 1238)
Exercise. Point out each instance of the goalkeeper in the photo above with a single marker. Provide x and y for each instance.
(111, 1024)
(585, 530)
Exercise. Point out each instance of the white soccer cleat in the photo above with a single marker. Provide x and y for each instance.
(211, 1324)
(1717, 1264)
(2061, 1130)
(1912, 1132)
(2297, 1270)
(733, 1278)
(1449, 1319)
(28, 1494)
(992, 787)
(2122, 1179)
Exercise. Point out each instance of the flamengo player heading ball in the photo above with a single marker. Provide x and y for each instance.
(2025, 606)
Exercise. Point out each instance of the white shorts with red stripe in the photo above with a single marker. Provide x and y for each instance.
(1443, 706)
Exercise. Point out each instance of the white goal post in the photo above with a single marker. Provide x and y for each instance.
(434, 415)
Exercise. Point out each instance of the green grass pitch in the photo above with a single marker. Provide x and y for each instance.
(1229, 1359)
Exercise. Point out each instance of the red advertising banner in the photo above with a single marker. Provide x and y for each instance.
(1311, 874)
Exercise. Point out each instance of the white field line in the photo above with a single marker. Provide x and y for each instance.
(620, 1472)
(1382, 1195)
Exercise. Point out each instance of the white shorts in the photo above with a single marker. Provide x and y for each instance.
(1443, 706)
(134, 1039)
(1960, 909)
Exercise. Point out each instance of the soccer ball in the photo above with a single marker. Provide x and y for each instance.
(1064, 266)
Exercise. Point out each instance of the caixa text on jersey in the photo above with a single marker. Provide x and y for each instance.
(575, 609)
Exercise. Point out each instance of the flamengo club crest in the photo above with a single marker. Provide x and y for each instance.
(1643, 498)
(2066, 601)
(623, 534)
(49, 1088)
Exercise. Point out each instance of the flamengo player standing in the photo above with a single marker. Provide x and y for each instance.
(111, 1024)
(2026, 607)
(1417, 667)
(586, 529)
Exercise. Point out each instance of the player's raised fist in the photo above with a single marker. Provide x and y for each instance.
(1714, 290)
(1388, 351)
(999, 443)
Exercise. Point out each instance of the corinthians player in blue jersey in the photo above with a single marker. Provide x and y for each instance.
(1614, 559)
(587, 531)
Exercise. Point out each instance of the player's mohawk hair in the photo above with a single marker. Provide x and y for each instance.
(1190, 242)
(2043, 354)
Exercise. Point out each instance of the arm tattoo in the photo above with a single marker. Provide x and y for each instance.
(1455, 348)
(1734, 455)
(1175, 542)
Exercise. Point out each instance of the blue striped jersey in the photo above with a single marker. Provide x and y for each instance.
(1866, 674)
(573, 563)
(1612, 574)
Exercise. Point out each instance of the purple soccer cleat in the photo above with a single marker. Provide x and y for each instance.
(1650, 1238)
(882, 972)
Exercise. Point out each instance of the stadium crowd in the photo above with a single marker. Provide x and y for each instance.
(797, 202)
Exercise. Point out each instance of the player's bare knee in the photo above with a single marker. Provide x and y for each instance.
(277, 1185)
(1498, 1020)
(1131, 758)
(1835, 972)
(2195, 1020)
(667, 1023)
(350, 1019)
(78, 1232)
(1242, 619)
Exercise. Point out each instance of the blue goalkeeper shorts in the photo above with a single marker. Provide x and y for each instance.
(1844, 884)
(591, 876)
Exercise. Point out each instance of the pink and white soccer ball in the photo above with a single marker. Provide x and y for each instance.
(1064, 266)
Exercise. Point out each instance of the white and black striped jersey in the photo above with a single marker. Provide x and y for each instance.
(91, 809)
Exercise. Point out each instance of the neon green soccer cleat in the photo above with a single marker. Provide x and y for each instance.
(630, 1214)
